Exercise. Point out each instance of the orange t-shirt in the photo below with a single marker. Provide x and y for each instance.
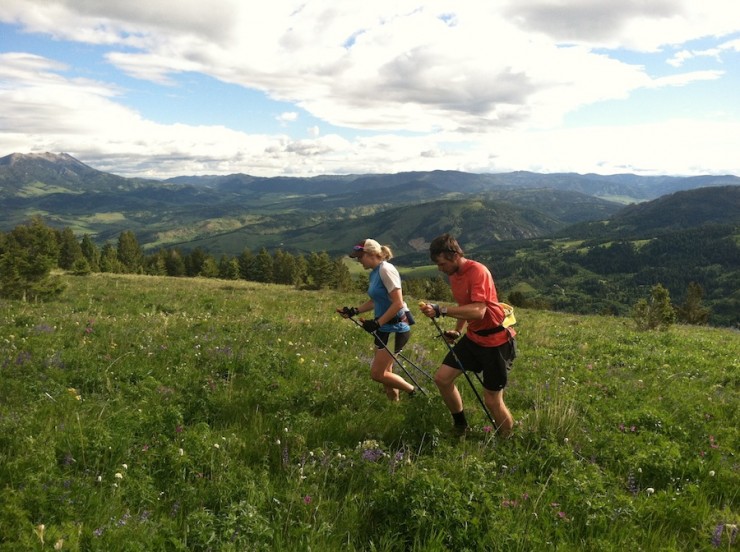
(473, 283)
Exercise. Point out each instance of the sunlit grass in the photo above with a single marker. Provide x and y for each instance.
(161, 413)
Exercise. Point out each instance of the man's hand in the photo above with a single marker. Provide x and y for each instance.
(430, 310)
(370, 326)
(450, 336)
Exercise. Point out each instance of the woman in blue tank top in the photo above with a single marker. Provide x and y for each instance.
(390, 314)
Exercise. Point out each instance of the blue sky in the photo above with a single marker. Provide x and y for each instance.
(317, 87)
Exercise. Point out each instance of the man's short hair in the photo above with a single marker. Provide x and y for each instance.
(446, 246)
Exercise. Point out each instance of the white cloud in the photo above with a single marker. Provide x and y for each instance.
(472, 85)
(287, 117)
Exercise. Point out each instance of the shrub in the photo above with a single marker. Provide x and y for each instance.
(656, 312)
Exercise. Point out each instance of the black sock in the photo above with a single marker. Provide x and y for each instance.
(460, 418)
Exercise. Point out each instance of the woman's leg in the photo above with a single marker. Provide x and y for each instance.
(381, 371)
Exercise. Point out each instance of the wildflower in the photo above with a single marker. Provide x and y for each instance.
(39, 530)
(118, 475)
(717, 537)
(216, 445)
(125, 466)
(181, 452)
(649, 491)
(711, 473)
(307, 499)
(372, 455)
(59, 544)
(487, 429)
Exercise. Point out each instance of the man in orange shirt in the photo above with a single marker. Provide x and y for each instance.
(486, 347)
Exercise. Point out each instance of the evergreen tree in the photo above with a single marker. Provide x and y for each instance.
(228, 268)
(69, 249)
(91, 252)
(283, 267)
(246, 264)
(129, 253)
(109, 259)
(439, 289)
(81, 267)
(194, 262)
(300, 271)
(174, 263)
(155, 264)
(263, 267)
(342, 277)
(655, 312)
(691, 310)
(320, 270)
(27, 255)
(209, 268)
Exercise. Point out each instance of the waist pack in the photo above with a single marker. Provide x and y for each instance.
(509, 320)
(403, 316)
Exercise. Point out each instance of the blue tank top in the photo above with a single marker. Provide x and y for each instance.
(381, 298)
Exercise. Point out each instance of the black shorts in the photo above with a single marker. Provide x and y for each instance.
(399, 342)
(494, 362)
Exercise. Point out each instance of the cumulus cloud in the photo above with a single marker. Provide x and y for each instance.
(438, 84)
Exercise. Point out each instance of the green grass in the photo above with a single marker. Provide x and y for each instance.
(146, 413)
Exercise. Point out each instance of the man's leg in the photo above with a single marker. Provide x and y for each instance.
(495, 402)
(445, 380)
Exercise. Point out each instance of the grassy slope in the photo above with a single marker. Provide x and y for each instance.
(171, 414)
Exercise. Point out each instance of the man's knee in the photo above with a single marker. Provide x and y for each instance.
(445, 376)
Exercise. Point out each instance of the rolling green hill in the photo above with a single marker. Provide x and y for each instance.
(227, 212)
(153, 413)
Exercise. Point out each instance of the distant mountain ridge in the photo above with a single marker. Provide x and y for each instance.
(230, 212)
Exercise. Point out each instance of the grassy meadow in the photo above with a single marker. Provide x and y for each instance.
(152, 413)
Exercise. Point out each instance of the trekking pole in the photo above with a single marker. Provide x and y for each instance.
(465, 373)
(407, 359)
(393, 356)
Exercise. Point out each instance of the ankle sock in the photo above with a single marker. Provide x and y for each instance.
(459, 418)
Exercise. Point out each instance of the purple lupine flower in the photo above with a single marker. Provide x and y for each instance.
(372, 455)
(717, 537)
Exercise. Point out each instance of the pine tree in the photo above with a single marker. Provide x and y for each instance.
(228, 268)
(691, 310)
(109, 259)
(129, 252)
(263, 267)
(320, 270)
(342, 276)
(27, 255)
(91, 252)
(656, 312)
(246, 264)
(69, 249)
(209, 268)
(194, 262)
(174, 263)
